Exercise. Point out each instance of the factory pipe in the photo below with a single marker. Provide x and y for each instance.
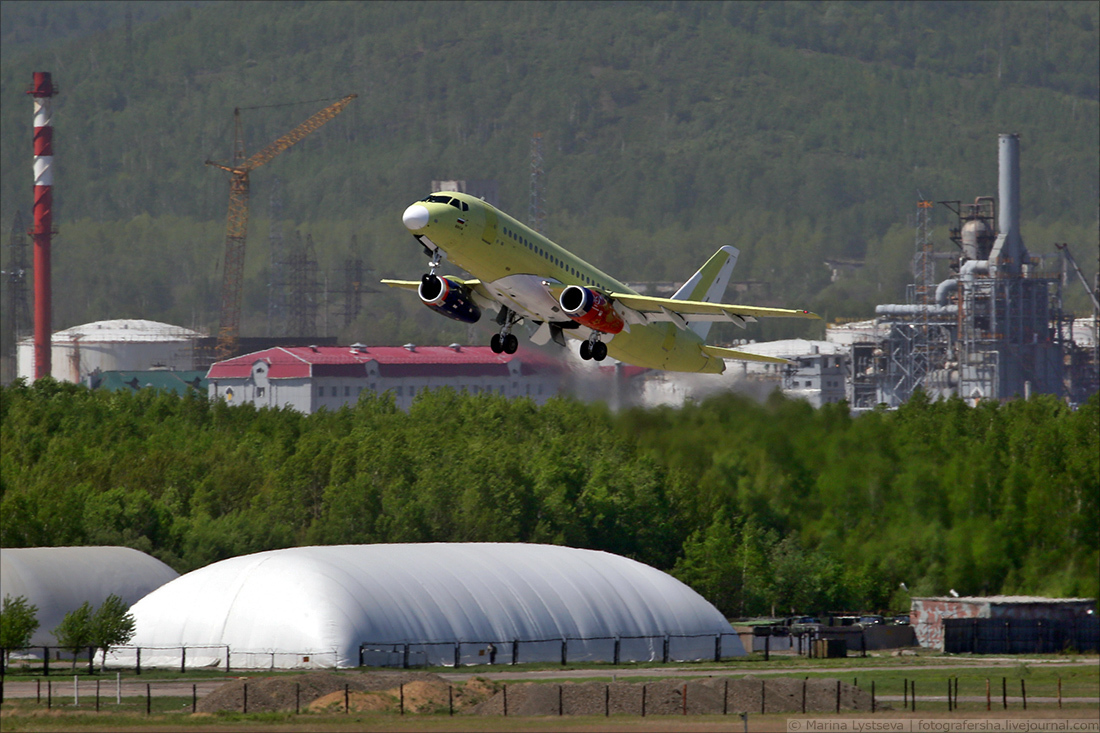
(42, 91)
(1008, 252)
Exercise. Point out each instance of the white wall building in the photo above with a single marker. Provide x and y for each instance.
(308, 378)
(127, 344)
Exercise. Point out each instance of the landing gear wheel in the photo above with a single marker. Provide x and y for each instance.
(511, 344)
(496, 344)
(599, 351)
(586, 350)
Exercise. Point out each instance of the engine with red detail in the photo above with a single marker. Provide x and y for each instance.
(590, 308)
(449, 297)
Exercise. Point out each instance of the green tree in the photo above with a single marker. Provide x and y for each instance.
(112, 624)
(74, 633)
(18, 622)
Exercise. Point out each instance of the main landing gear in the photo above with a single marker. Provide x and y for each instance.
(505, 342)
(593, 348)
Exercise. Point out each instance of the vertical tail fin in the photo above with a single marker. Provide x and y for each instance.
(709, 284)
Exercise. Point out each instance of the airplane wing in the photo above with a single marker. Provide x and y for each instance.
(641, 309)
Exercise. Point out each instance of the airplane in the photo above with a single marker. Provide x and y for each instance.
(526, 277)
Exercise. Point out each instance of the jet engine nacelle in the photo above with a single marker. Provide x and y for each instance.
(449, 297)
(590, 308)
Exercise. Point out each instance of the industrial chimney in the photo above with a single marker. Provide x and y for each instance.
(43, 90)
(1008, 252)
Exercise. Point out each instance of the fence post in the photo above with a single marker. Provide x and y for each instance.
(664, 650)
(863, 642)
(458, 654)
(1059, 693)
(560, 706)
(505, 701)
(405, 656)
(515, 651)
(838, 697)
(988, 698)
(949, 695)
(137, 663)
(402, 699)
(148, 699)
(564, 651)
(643, 699)
(606, 700)
(1004, 692)
(804, 695)
(1023, 693)
(49, 694)
(913, 695)
(347, 701)
(45, 661)
(767, 647)
(618, 644)
(726, 697)
(451, 699)
(244, 704)
(718, 647)
(872, 696)
(297, 697)
(684, 698)
(227, 659)
(97, 696)
(91, 660)
(183, 660)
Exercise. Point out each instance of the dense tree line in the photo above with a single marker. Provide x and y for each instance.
(760, 507)
(795, 131)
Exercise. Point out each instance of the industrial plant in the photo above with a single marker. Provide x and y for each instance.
(993, 330)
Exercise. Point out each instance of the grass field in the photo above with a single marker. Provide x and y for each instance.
(893, 678)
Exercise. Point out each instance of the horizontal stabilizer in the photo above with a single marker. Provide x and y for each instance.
(742, 355)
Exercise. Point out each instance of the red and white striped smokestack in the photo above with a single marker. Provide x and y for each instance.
(43, 91)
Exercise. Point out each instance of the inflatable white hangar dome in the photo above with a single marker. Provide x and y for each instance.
(60, 579)
(333, 606)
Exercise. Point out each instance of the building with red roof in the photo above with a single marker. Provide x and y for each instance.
(308, 378)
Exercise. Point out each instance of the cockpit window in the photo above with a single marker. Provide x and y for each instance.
(438, 199)
(457, 204)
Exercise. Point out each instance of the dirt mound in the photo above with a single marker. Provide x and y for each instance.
(323, 690)
(710, 696)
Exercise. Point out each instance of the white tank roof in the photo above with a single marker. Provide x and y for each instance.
(326, 601)
(125, 329)
(60, 579)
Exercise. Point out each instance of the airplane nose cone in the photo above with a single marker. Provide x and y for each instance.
(415, 217)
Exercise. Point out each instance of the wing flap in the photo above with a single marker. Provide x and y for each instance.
(742, 355)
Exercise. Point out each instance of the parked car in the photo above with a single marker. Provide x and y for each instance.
(902, 620)
(870, 620)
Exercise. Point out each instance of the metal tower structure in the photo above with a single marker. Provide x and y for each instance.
(536, 212)
(17, 310)
(276, 288)
(303, 287)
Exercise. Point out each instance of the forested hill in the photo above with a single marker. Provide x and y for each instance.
(795, 131)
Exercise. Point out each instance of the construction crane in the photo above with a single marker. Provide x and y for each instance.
(237, 220)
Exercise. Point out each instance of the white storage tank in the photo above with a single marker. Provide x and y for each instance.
(126, 344)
